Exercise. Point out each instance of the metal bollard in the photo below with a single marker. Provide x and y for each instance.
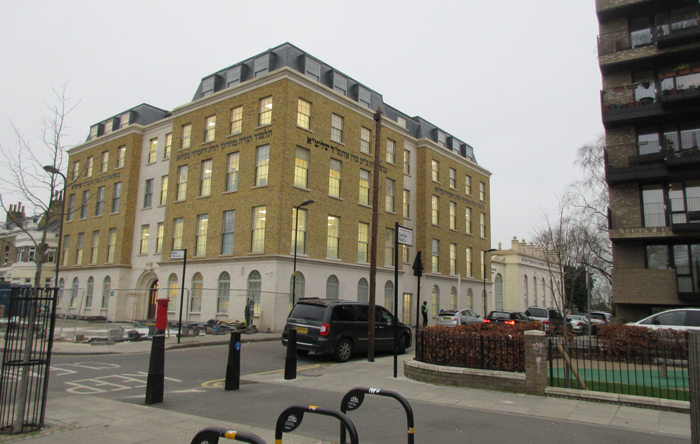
(290, 364)
(233, 368)
(155, 382)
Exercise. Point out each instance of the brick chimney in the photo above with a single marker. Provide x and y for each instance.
(15, 213)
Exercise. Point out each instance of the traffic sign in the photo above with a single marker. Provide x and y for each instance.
(405, 236)
(177, 254)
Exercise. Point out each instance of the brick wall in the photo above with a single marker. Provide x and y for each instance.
(642, 286)
(532, 382)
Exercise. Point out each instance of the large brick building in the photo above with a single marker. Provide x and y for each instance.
(221, 176)
(649, 56)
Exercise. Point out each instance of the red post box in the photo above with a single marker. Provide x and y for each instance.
(162, 313)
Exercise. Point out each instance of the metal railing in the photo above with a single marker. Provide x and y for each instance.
(677, 21)
(27, 358)
(613, 42)
(471, 351)
(637, 216)
(654, 214)
(657, 370)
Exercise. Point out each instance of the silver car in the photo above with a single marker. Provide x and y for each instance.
(453, 318)
(678, 319)
(579, 324)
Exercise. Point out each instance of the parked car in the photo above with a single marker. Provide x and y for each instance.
(600, 317)
(547, 316)
(506, 317)
(340, 328)
(453, 318)
(579, 323)
(677, 319)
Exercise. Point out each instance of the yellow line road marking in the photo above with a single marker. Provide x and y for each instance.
(222, 382)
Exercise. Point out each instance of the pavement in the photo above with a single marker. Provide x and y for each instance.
(87, 419)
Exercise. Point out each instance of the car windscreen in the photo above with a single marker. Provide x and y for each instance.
(500, 316)
(553, 314)
(536, 312)
(308, 311)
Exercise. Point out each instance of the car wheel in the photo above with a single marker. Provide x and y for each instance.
(343, 350)
(402, 345)
(302, 352)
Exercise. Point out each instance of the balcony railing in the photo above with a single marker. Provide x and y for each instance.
(672, 26)
(613, 42)
(629, 95)
(651, 215)
(678, 23)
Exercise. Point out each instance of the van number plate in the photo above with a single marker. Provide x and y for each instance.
(302, 330)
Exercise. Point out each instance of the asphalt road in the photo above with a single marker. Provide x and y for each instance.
(194, 386)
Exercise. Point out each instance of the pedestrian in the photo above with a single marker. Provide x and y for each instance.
(249, 307)
(424, 311)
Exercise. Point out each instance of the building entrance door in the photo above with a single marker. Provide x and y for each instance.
(152, 296)
(407, 306)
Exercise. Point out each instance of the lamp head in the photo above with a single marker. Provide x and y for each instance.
(306, 202)
(51, 169)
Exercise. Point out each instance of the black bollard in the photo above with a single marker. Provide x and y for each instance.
(155, 381)
(233, 368)
(290, 364)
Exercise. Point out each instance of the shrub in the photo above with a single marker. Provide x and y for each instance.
(503, 346)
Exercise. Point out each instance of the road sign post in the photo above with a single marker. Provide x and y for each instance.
(180, 254)
(404, 236)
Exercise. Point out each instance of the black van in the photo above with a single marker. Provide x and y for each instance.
(340, 328)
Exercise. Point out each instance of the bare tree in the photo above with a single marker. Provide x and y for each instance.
(26, 179)
(562, 240)
(588, 201)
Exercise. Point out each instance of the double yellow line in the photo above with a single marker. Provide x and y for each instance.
(221, 382)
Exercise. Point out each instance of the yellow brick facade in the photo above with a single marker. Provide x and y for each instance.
(279, 196)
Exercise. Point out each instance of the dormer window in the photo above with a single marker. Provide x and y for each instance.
(401, 121)
(93, 131)
(340, 84)
(455, 145)
(125, 120)
(108, 125)
(364, 97)
(441, 139)
(313, 69)
(208, 86)
(262, 65)
(233, 76)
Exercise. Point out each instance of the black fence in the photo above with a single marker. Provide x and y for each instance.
(471, 351)
(657, 370)
(25, 366)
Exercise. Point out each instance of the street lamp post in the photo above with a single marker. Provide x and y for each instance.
(53, 170)
(296, 237)
(484, 277)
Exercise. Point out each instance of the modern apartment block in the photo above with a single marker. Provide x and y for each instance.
(649, 56)
(221, 176)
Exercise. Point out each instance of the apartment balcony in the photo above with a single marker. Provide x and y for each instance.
(676, 216)
(612, 9)
(675, 92)
(676, 159)
(678, 26)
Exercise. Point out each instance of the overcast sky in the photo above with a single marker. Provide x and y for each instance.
(518, 81)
